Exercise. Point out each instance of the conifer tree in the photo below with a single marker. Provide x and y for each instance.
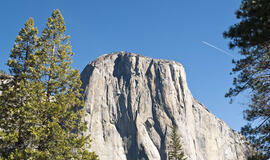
(175, 147)
(47, 123)
(17, 114)
(251, 36)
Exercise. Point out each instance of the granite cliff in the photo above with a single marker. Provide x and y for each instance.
(133, 101)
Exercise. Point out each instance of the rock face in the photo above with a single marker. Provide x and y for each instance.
(133, 101)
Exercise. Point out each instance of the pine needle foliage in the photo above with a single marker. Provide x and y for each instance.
(175, 147)
(251, 36)
(41, 105)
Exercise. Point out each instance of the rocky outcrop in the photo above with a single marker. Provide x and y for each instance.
(133, 101)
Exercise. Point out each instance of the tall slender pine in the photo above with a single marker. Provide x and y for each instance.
(17, 113)
(175, 148)
(63, 99)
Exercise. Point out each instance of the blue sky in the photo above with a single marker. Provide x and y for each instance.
(170, 29)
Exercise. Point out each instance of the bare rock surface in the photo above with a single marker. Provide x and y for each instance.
(133, 101)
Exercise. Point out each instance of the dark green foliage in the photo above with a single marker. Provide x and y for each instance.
(176, 151)
(252, 37)
(40, 106)
(257, 156)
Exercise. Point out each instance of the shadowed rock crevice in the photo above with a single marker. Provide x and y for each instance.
(126, 127)
(126, 124)
(86, 74)
(157, 127)
(122, 69)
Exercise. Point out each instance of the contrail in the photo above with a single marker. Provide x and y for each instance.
(221, 50)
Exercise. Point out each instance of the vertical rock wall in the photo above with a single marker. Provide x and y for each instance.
(133, 101)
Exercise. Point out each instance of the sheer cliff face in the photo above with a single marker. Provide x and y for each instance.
(133, 101)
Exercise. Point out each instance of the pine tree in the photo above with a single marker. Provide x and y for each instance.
(47, 121)
(17, 114)
(252, 71)
(175, 147)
